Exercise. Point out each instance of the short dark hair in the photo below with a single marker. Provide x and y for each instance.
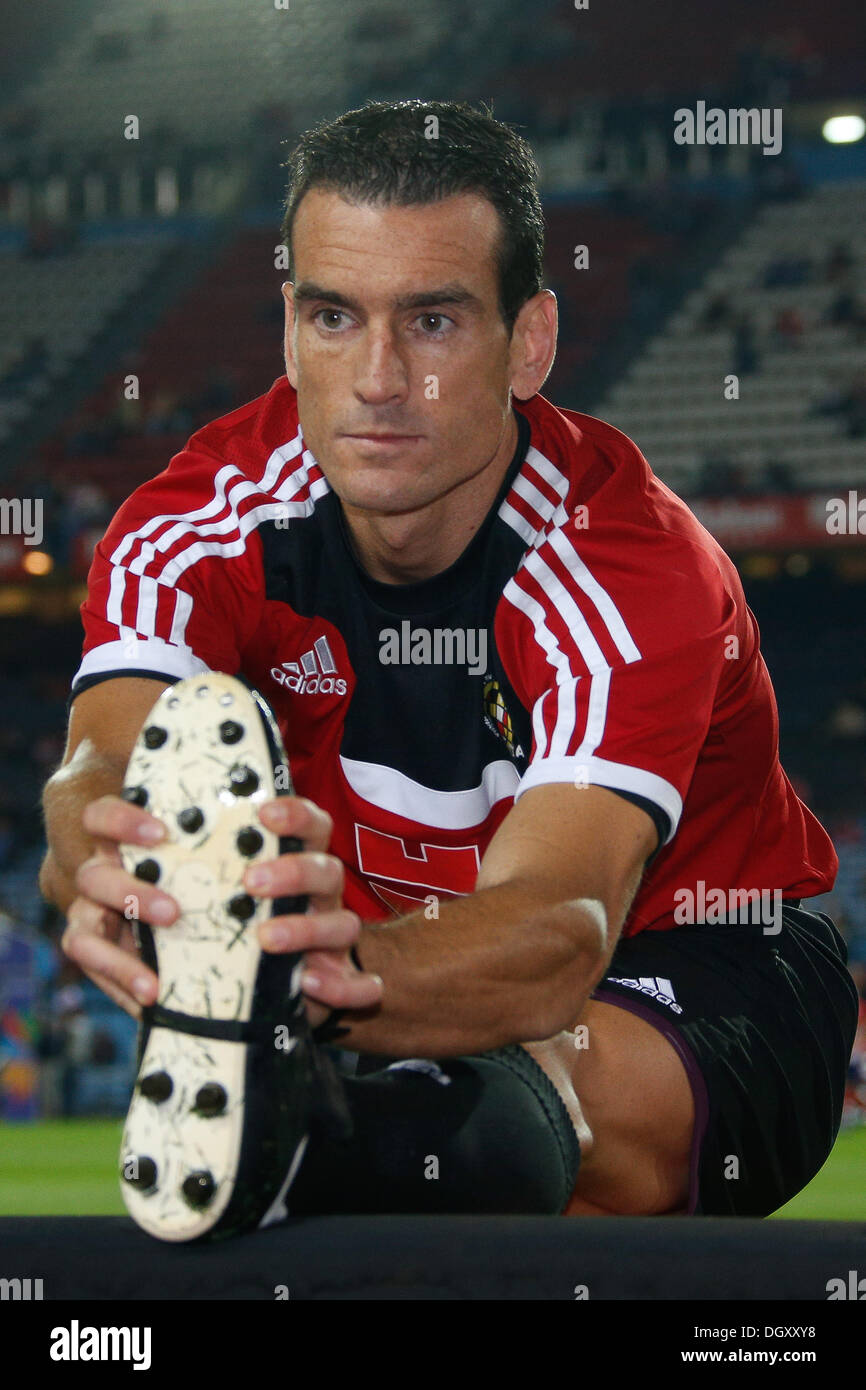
(382, 153)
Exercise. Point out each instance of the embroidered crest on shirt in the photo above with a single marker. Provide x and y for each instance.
(497, 718)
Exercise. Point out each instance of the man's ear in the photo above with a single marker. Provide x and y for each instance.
(289, 334)
(533, 344)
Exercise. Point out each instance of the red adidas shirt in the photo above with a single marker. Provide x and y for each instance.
(593, 633)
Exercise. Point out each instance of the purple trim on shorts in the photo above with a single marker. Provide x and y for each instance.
(693, 1072)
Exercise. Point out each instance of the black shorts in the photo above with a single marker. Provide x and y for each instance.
(764, 1025)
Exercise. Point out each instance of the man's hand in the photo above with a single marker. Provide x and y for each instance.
(99, 936)
(328, 930)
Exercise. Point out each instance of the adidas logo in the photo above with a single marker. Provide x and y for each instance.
(315, 675)
(654, 986)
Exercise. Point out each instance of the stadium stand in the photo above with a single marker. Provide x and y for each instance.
(743, 49)
(185, 383)
(136, 59)
(53, 307)
(791, 393)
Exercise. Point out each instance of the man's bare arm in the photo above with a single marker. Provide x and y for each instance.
(103, 726)
(515, 960)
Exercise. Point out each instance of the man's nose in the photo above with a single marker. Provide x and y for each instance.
(382, 373)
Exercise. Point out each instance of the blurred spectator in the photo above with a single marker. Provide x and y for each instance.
(768, 67)
(219, 394)
(272, 310)
(787, 270)
(7, 840)
(854, 406)
(128, 414)
(789, 328)
(168, 414)
(47, 751)
(719, 313)
(839, 263)
(46, 238)
(157, 27)
(94, 434)
(21, 122)
(779, 179)
(720, 477)
(746, 358)
(847, 310)
(111, 46)
(855, 411)
(848, 401)
(30, 361)
(76, 1030)
(778, 477)
(84, 503)
(854, 1109)
(273, 118)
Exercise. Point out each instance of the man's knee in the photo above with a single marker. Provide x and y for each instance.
(636, 1108)
(480, 1134)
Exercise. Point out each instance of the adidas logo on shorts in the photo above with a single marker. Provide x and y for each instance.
(315, 675)
(652, 985)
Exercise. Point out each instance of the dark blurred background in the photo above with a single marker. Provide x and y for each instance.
(139, 298)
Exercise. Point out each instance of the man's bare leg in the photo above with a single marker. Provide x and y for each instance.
(629, 1096)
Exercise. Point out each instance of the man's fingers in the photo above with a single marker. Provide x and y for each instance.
(318, 875)
(87, 942)
(333, 980)
(120, 996)
(295, 815)
(108, 883)
(112, 818)
(322, 931)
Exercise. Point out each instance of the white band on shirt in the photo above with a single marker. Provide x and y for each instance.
(601, 773)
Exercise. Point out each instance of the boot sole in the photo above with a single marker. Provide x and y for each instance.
(217, 1124)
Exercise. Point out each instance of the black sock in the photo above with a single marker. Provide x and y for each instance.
(468, 1134)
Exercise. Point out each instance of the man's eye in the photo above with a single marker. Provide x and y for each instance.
(330, 318)
(433, 324)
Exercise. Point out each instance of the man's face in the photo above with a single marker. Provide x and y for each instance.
(396, 345)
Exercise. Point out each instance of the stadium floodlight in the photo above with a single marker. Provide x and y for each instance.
(843, 130)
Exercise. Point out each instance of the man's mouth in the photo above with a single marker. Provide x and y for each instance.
(382, 440)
